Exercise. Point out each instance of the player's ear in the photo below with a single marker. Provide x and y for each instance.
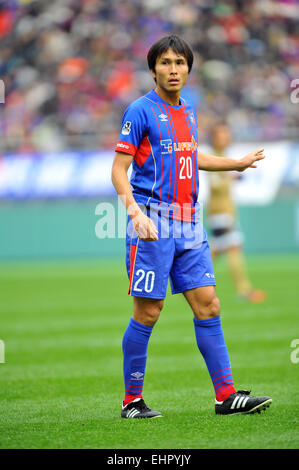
(153, 74)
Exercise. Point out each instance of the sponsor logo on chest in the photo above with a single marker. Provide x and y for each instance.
(168, 146)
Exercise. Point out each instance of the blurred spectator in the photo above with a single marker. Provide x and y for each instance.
(70, 66)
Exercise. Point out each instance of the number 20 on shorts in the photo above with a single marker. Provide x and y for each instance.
(149, 280)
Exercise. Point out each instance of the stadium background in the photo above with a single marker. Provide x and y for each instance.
(69, 70)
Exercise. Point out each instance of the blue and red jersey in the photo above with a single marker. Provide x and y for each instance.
(163, 140)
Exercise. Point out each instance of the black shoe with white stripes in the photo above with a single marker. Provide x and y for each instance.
(138, 409)
(241, 402)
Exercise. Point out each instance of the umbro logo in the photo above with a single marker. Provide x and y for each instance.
(163, 117)
(137, 375)
(210, 275)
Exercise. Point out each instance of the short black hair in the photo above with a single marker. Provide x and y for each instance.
(177, 44)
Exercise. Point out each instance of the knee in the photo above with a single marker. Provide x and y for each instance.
(149, 313)
(214, 307)
(152, 314)
(208, 309)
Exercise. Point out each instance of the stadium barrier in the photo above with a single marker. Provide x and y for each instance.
(67, 229)
(48, 204)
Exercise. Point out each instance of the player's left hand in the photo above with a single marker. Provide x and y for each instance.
(250, 159)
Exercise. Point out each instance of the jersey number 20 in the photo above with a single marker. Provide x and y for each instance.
(186, 168)
(149, 280)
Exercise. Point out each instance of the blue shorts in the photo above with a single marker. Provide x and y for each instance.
(182, 255)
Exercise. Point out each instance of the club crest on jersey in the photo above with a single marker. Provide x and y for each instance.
(192, 117)
(163, 117)
(126, 128)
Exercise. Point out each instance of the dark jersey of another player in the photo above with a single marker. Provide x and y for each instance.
(163, 140)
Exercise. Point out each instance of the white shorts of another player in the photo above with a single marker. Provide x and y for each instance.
(231, 236)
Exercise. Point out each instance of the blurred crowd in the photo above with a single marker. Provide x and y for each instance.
(70, 67)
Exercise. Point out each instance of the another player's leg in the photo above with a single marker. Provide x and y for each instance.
(237, 266)
(227, 239)
(211, 343)
(135, 343)
(215, 254)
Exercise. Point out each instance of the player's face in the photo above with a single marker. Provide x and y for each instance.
(221, 137)
(171, 72)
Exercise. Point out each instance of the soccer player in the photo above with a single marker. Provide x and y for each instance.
(166, 239)
(225, 236)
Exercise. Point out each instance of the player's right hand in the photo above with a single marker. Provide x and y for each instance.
(250, 159)
(145, 227)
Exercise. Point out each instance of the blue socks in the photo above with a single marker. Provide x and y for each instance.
(210, 342)
(134, 345)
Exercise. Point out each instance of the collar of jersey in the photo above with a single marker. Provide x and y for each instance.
(156, 97)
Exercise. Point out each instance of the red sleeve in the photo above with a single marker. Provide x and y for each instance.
(126, 147)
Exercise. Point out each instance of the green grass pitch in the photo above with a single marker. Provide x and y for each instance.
(61, 383)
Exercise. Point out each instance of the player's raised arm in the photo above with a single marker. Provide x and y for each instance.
(143, 225)
(213, 163)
